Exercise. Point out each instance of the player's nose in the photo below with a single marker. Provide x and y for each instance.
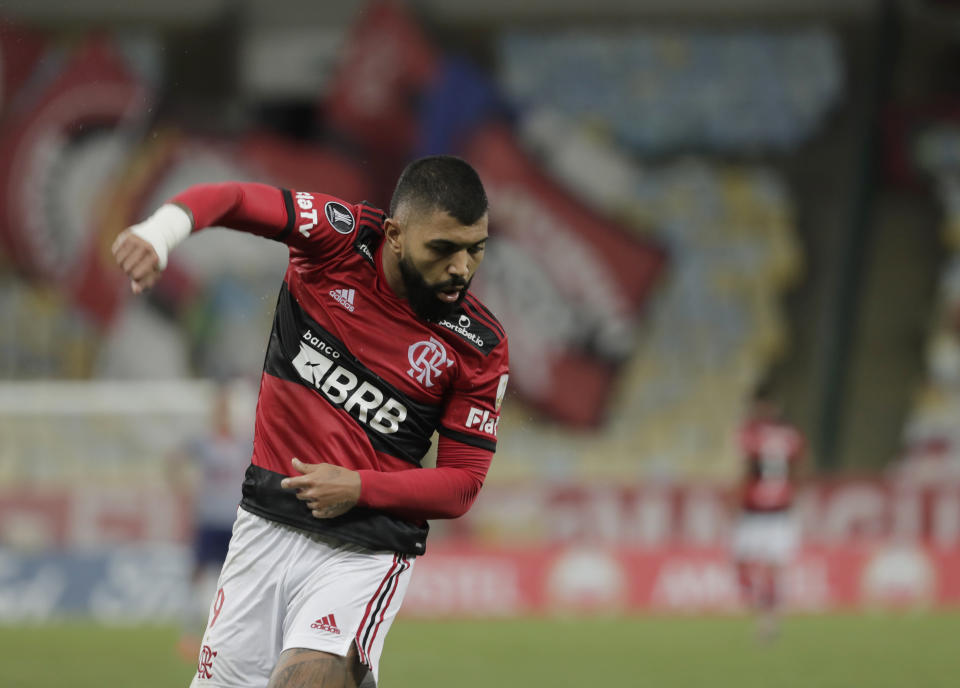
(460, 264)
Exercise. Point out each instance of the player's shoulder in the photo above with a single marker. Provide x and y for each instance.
(309, 210)
(369, 229)
(326, 227)
(475, 326)
(370, 215)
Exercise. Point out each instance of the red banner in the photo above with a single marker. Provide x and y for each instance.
(598, 274)
(58, 152)
(34, 518)
(585, 571)
(475, 581)
(20, 52)
(654, 516)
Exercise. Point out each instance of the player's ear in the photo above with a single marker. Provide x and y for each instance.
(392, 232)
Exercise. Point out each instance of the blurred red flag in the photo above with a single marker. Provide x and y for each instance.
(388, 61)
(575, 286)
(57, 151)
(20, 52)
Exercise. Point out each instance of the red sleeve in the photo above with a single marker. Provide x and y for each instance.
(472, 411)
(315, 224)
(255, 208)
(446, 491)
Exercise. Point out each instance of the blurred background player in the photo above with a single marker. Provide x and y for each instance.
(767, 535)
(209, 468)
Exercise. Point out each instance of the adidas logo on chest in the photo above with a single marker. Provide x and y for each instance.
(344, 297)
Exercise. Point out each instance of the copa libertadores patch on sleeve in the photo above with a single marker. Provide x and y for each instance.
(339, 217)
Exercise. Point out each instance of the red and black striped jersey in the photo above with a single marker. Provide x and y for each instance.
(772, 450)
(353, 377)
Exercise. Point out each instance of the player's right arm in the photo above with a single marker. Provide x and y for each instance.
(142, 250)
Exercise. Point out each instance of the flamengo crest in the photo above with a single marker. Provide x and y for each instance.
(205, 662)
(428, 358)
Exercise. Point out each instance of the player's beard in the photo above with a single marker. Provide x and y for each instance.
(423, 297)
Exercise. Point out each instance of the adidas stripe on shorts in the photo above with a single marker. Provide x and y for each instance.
(282, 588)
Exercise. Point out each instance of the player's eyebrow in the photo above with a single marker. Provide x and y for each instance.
(445, 245)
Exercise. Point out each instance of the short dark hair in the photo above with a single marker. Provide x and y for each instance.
(442, 182)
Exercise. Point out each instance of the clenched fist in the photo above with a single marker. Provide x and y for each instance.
(138, 260)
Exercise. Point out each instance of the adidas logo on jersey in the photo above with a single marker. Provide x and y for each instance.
(326, 623)
(344, 297)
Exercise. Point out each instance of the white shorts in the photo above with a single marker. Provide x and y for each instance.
(766, 537)
(281, 588)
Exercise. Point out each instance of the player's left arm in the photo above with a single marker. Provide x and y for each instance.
(447, 491)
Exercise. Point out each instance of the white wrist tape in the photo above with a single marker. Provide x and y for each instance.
(166, 228)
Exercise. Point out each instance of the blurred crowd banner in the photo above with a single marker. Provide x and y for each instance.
(91, 524)
(148, 583)
(478, 581)
(924, 151)
(640, 285)
(638, 274)
(662, 90)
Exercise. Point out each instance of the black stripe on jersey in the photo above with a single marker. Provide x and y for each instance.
(472, 329)
(471, 310)
(472, 440)
(291, 215)
(302, 351)
(368, 240)
(367, 208)
(490, 317)
(472, 305)
(373, 226)
(262, 495)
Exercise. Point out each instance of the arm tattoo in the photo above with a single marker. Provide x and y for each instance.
(302, 668)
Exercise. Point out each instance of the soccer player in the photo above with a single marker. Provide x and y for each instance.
(766, 536)
(376, 343)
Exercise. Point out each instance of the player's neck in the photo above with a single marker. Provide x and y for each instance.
(391, 272)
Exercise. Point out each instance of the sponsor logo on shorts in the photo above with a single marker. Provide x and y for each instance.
(326, 623)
